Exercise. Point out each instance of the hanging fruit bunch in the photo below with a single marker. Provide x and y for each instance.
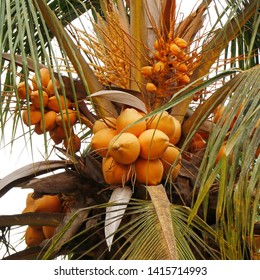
(58, 117)
(171, 67)
(34, 235)
(132, 147)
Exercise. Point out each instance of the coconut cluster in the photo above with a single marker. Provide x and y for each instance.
(172, 66)
(58, 117)
(34, 235)
(135, 148)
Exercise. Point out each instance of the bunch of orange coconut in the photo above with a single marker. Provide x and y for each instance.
(172, 66)
(58, 117)
(136, 149)
(34, 235)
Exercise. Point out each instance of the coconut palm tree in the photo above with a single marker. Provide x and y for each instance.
(200, 71)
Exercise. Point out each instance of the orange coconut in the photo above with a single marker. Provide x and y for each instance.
(153, 143)
(54, 102)
(197, 145)
(37, 129)
(108, 122)
(48, 203)
(32, 116)
(51, 85)
(149, 172)
(163, 122)
(174, 139)
(21, 90)
(45, 78)
(128, 117)
(101, 140)
(58, 134)
(48, 231)
(124, 148)
(33, 236)
(37, 97)
(115, 173)
(72, 144)
(49, 121)
(171, 154)
(67, 117)
(174, 172)
(29, 203)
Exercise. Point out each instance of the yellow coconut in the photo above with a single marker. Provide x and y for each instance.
(174, 49)
(33, 236)
(128, 117)
(37, 97)
(49, 121)
(115, 173)
(124, 148)
(170, 156)
(48, 204)
(174, 139)
(163, 122)
(45, 78)
(151, 87)
(31, 116)
(54, 102)
(149, 172)
(147, 71)
(180, 42)
(21, 90)
(73, 144)
(101, 140)
(153, 144)
(108, 122)
(67, 117)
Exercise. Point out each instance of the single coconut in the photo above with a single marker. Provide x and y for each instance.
(48, 204)
(115, 173)
(45, 78)
(101, 140)
(48, 231)
(31, 116)
(174, 139)
(33, 236)
(39, 98)
(67, 117)
(124, 148)
(163, 122)
(180, 42)
(149, 172)
(22, 91)
(153, 143)
(108, 122)
(57, 104)
(51, 87)
(73, 144)
(49, 121)
(169, 157)
(127, 118)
